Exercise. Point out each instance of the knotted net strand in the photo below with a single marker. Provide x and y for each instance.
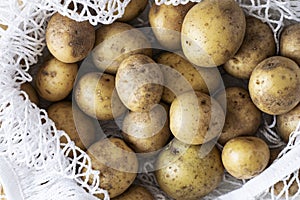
(29, 141)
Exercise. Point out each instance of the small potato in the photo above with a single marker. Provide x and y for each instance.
(212, 32)
(96, 96)
(242, 116)
(258, 44)
(139, 83)
(115, 42)
(117, 163)
(181, 76)
(196, 118)
(274, 85)
(166, 22)
(135, 192)
(133, 9)
(32, 94)
(55, 79)
(147, 132)
(288, 122)
(183, 173)
(68, 40)
(290, 42)
(245, 157)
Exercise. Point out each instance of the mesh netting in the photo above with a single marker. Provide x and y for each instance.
(29, 141)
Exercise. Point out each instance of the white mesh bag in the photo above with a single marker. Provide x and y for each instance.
(33, 164)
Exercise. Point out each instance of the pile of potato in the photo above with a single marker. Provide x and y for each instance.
(171, 101)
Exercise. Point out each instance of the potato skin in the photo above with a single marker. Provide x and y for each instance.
(242, 116)
(31, 92)
(68, 40)
(245, 157)
(258, 45)
(212, 32)
(287, 123)
(166, 22)
(183, 174)
(290, 42)
(55, 79)
(133, 9)
(95, 95)
(117, 163)
(135, 192)
(196, 118)
(274, 85)
(139, 83)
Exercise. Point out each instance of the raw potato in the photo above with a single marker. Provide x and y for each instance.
(245, 157)
(196, 118)
(95, 95)
(166, 22)
(212, 32)
(135, 192)
(183, 173)
(290, 42)
(242, 116)
(258, 44)
(115, 42)
(32, 94)
(55, 79)
(117, 163)
(133, 9)
(139, 83)
(77, 125)
(68, 40)
(274, 85)
(147, 132)
(181, 76)
(288, 122)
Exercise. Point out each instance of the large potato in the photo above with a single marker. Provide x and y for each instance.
(68, 40)
(95, 95)
(133, 9)
(117, 163)
(196, 118)
(290, 42)
(135, 192)
(166, 22)
(183, 173)
(139, 83)
(242, 116)
(181, 76)
(258, 44)
(115, 42)
(274, 85)
(212, 32)
(55, 79)
(31, 92)
(245, 157)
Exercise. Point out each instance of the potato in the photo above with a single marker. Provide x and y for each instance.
(68, 40)
(79, 127)
(147, 132)
(212, 32)
(55, 79)
(96, 96)
(181, 76)
(115, 42)
(274, 85)
(117, 163)
(196, 118)
(288, 122)
(290, 42)
(183, 173)
(135, 192)
(30, 91)
(258, 44)
(245, 157)
(166, 22)
(133, 9)
(242, 116)
(139, 83)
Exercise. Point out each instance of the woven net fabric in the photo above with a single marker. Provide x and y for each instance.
(29, 141)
